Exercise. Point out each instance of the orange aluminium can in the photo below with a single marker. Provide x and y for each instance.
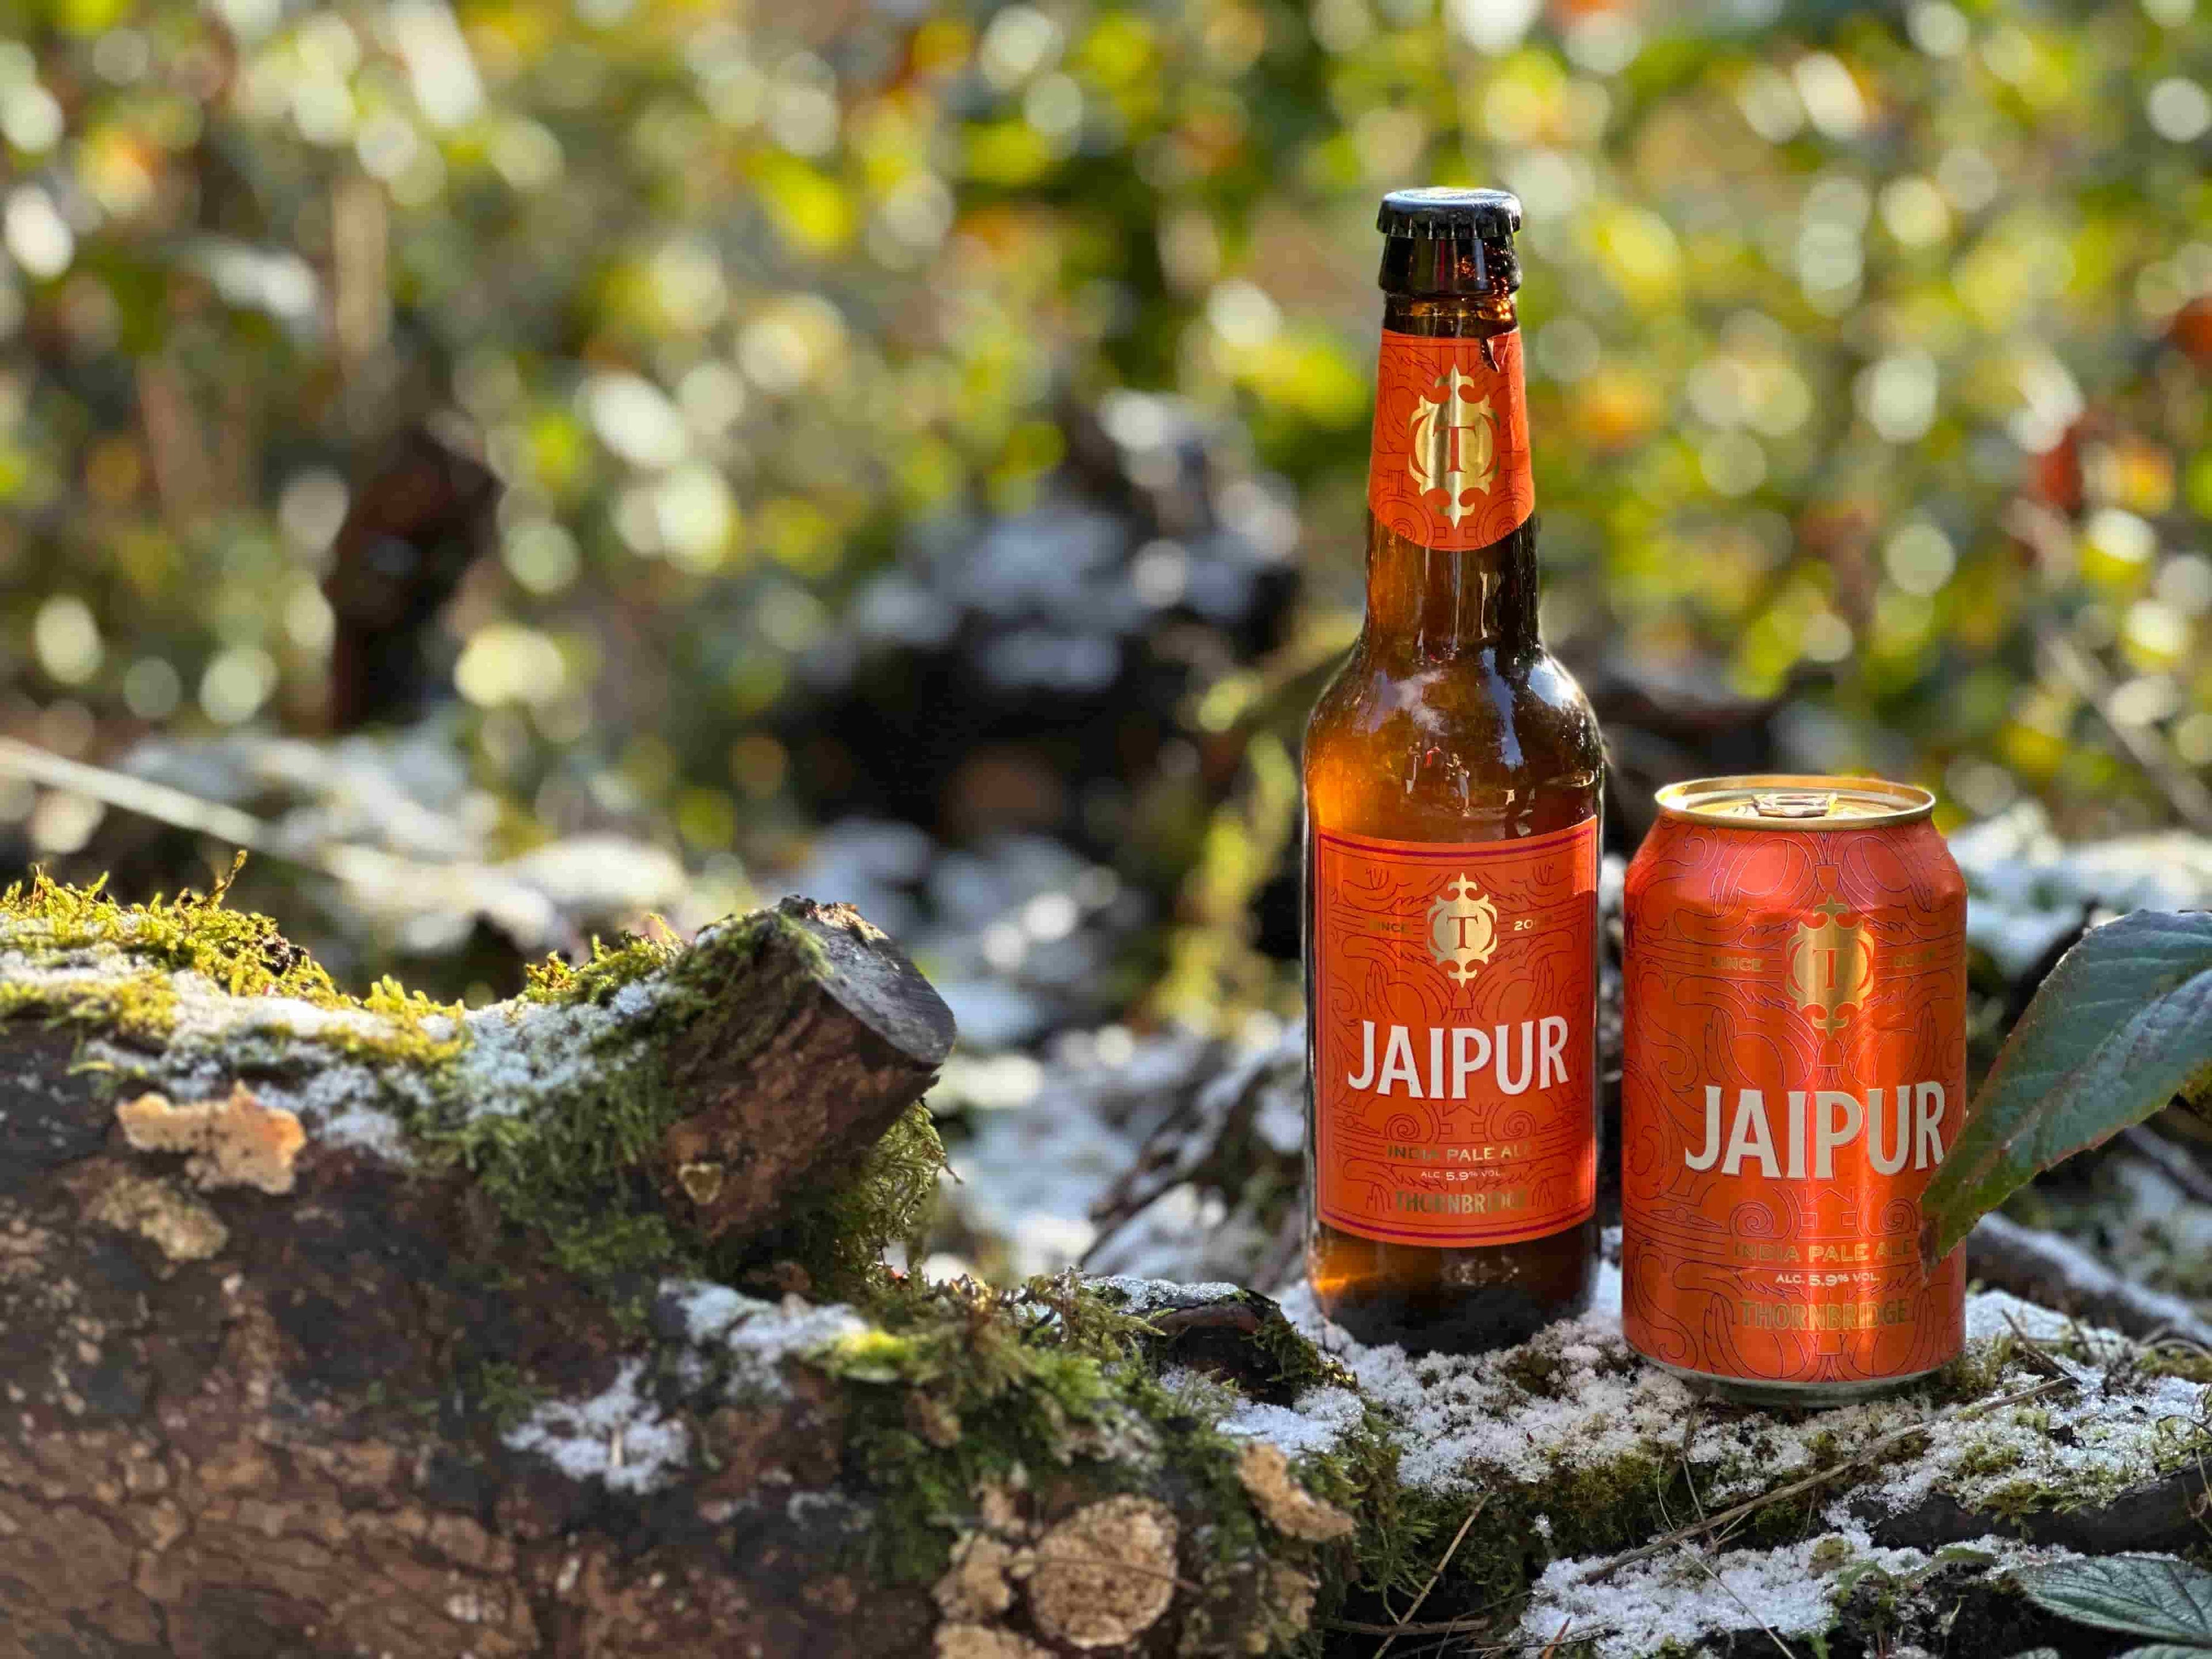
(1794, 1071)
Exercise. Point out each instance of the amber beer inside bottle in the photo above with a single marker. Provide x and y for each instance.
(1452, 779)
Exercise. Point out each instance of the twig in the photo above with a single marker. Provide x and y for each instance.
(1711, 1572)
(1689, 1435)
(525, 914)
(2173, 1162)
(2183, 789)
(1443, 1562)
(183, 810)
(1466, 1625)
(1873, 1449)
(2043, 1267)
(2032, 1352)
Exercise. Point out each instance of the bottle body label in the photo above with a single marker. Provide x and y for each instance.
(1449, 467)
(1454, 1040)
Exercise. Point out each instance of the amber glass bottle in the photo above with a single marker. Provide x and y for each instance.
(1452, 782)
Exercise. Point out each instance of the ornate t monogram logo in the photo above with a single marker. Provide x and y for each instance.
(1831, 966)
(1455, 444)
(1462, 929)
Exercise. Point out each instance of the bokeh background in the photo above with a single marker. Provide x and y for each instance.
(547, 466)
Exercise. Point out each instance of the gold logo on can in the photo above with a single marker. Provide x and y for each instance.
(1831, 966)
(1455, 444)
(1462, 929)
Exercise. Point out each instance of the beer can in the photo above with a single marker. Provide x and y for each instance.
(1794, 1071)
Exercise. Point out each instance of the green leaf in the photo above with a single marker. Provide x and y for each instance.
(2135, 1594)
(2122, 1025)
(2156, 1651)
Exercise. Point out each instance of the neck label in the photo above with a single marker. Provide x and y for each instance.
(1448, 468)
(1455, 1049)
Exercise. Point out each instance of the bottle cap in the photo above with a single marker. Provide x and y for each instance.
(1436, 210)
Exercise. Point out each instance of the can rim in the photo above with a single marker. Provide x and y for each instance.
(1735, 801)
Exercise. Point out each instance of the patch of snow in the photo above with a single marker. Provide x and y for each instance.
(1605, 1294)
(709, 1310)
(1459, 1416)
(2027, 889)
(1577, 1398)
(1688, 1597)
(618, 1436)
(1145, 1295)
(520, 1052)
(1321, 1418)
(217, 1036)
(757, 1336)
(766, 1340)
(515, 1053)
(1994, 1313)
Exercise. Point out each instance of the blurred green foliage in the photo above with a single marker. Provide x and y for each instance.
(1869, 347)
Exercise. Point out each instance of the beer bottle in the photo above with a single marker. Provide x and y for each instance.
(1452, 776)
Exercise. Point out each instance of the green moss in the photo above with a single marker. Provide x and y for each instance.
(1031, 1377)
(1535, 1370)
(1298, 1365)
(1979, 1371)
(1402, 1532)
(632, 957)
(140, 1008)
(240, 952)
(237, 951)
(840, 1239)
(574, 1167)
(2184, 1360)
(577, 1166)
(407, 1038)
(502, 1392)
(959, 1388)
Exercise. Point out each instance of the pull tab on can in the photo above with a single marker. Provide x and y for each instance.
(1801, 805)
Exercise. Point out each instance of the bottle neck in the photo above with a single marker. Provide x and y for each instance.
(1427, 603)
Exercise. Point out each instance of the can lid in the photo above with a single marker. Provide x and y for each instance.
(1792, 801)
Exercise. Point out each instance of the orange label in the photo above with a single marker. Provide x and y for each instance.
(1449, 465)
(1455, 1048)
(1793, 1074)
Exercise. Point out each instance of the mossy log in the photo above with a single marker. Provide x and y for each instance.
(659, 1105)
(341, 1327)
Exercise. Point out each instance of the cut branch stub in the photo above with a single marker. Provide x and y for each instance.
(835, 1033)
